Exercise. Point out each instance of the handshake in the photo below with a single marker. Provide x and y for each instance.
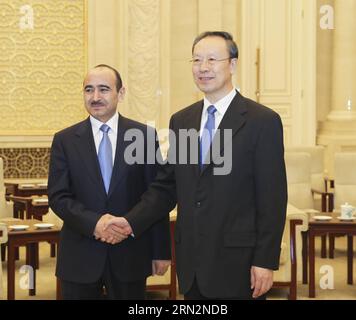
(112, 229)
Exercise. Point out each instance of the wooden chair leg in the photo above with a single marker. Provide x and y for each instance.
(173, 293)
(53, 250)
(58, 290)
(323, 246)
(350, 250)
(36, 252)
(292, 292)
(31, 259)
(331, 246)
(3, 252)
(305, 256)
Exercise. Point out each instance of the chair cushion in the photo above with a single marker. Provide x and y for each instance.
(300, 195)
(344, 193)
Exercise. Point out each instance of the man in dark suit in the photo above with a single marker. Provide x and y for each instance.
(229, 224)
(90, 182)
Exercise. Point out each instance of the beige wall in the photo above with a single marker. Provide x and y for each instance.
(41, 68)
(324, 68)
(203, 16)
(150, 43)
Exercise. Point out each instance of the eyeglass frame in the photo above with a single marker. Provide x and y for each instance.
(210, 61)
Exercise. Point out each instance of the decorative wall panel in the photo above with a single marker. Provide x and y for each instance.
(25, 162)
(42, 64)
(144, 59)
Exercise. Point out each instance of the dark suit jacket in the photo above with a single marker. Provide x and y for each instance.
(225, 223)
(77, 195)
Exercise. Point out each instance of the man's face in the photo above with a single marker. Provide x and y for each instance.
(100, 94)
(214, 78)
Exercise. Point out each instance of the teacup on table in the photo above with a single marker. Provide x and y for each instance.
(347, 211)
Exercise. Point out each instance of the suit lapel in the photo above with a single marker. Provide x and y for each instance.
(193, 121)
(233, 120)
(86, 148)
(119, 164)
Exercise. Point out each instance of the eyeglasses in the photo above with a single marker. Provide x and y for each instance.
(210, 61)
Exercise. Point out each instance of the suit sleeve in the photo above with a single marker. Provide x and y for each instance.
(160, 198)
(61, 199)
(160, 231)
(271, 193)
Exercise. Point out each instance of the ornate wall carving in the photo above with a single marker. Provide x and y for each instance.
(144, 59)
(41, 68)
(25, 162)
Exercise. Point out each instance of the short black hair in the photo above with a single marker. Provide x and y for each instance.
(231, 44)
(117, 75)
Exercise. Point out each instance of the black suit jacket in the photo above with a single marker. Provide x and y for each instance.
(225, 223)
(77, 195)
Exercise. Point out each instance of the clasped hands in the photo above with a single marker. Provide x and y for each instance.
(112, 229)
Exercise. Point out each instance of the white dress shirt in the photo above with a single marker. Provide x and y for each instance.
(98, 134)
(221, 107)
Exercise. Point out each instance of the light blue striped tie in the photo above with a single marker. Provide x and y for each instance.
(207, 135)
(105, 156)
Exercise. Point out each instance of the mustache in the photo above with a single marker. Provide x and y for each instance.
(96, 103)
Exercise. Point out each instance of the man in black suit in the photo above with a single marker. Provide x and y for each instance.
(89, 183)
(230, 222)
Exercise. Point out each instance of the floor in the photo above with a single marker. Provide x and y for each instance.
(46, 284)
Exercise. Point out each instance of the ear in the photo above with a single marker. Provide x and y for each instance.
(233, 65)
(121, 94)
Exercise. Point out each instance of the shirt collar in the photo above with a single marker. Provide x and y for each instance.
(112, 123)
(221, 105)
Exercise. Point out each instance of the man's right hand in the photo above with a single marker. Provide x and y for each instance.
(112, 235)
(118, 225)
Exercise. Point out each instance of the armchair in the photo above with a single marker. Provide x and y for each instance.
(300, 193)
(317, 165)
(3, 239)
(291, 251)
(319, 182)
(6, 208)
(344, 179)
(344, 186)
(169, 280)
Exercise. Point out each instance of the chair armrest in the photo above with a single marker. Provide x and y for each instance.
(321, 192)
(294, 213)
(293, 246)
(311, 211)
(327, 200)
(19, 199)
(329, 182)
(21, 205)
(3, 234)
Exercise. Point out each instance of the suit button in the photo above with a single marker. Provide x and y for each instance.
(198, 204)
